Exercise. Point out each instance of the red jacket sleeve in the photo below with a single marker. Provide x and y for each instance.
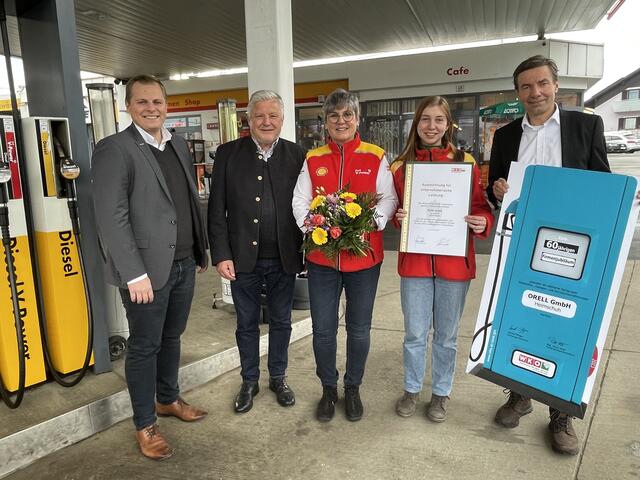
(479, 204)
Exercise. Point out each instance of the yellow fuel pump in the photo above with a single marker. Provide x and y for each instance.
(21, 356)
(51, 172)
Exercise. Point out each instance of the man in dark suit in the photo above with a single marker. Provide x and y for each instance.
(255, 240)
(153, 241)
(550, 136)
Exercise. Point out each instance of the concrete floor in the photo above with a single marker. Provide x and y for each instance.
(271, 442)
(210, 331)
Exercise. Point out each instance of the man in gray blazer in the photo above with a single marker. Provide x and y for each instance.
(152, 240)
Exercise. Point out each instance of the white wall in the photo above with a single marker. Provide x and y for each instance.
(483, 69)
(609, 117)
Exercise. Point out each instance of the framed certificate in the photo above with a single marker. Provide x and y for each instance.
(437, 196)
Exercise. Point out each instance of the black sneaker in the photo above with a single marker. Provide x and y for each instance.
(353, 404)
(283, 392)
(327, 406)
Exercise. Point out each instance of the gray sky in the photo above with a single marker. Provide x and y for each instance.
(621, 39)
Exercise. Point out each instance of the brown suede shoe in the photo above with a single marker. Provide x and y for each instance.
(437, 408)
(563, 436)
(406, 405)
(181, 410)
(508, 415)
(152, 444)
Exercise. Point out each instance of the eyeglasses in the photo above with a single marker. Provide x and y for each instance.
(334, 117)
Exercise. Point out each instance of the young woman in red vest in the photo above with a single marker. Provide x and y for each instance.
(433, 287)
(344, 160)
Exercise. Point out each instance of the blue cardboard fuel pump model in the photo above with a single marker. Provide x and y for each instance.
(565, 246)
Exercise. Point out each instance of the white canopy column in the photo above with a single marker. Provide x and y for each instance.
(270, 53)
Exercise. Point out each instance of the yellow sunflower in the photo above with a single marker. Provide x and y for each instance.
(319, 236)
(317, 201)
(353, 209)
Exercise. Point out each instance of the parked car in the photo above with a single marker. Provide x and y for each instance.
(633, 142)
(615, 144)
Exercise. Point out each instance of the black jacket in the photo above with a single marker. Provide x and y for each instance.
(582, 143)
(234, 208)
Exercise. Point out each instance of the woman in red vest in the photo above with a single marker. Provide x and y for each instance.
(344, 160)
(433, 287)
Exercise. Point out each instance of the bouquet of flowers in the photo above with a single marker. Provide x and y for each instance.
(337, 222)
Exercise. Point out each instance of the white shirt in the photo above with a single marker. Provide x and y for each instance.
(385, 209)
(266, 154)
(150, 140)
(541, 144)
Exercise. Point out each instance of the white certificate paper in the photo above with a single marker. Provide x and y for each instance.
(437, 197)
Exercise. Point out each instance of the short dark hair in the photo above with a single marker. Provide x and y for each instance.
(535, 62)
(145, 79)
(340, 98)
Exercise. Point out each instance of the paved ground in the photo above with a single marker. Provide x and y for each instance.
(271, 442)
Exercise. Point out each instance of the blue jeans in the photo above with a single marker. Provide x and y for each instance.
(325, 288)
(246, 292)
(153, 349)
(426, 301)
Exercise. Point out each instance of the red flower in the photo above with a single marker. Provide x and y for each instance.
(317, 220)
(335, 232)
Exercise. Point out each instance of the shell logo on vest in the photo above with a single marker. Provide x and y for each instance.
(322, 171)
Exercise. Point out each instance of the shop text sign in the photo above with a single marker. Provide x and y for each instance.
(458, 71)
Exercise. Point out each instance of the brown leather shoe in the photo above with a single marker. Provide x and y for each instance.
(563, 436)
(516, 406)
(181, 410)
(437, 409)
(152, 444)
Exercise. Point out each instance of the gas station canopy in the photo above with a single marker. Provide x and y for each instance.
(122, 38)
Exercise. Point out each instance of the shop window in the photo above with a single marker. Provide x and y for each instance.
(187, 126)
(310, 128)
(385, 132)
(488, 99)
(383, 108)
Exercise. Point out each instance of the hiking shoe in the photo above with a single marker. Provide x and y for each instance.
(406, 406)
(437, 409)
(508, 415)
(563, 436)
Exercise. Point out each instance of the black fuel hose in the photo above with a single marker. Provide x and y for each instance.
(11, 275)
(507, 226)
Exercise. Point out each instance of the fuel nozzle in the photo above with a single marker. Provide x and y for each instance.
(69, 169)
(5, 171)
(5, 176)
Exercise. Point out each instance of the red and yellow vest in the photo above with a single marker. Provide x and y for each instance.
(333, 167)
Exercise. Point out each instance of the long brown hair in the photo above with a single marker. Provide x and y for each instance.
(413, 142)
